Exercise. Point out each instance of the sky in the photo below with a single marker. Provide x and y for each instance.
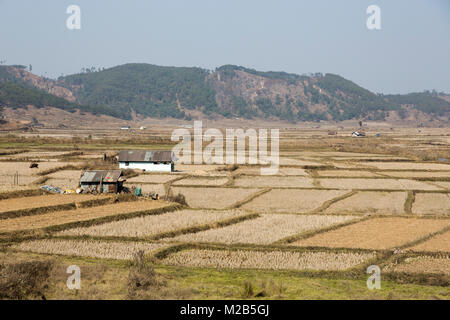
(410, 53)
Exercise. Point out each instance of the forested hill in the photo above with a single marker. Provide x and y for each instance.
(228, 91)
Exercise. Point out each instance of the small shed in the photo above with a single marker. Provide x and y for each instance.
(156, 161)
(358, 134)
(102, 181)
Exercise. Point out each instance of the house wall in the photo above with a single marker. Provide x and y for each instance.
(147, 166)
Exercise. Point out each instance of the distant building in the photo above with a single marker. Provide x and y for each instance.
(358, 134)
(102, 181)
(156, 161)
(125, 128)
(142, 128)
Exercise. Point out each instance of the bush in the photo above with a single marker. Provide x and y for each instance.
(142, 275)
(24, 280)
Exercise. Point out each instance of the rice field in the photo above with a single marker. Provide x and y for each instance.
(92, 249)
(407, 166)
(377, 233)
(376, 184)
(417, 174)
(83, 214)
(283, 171)
(9, 168)
(368, 202)
(152, 178)
(431, 204)
(438, 243)
(422, 264)
(346, 173)
(275, 260)
(266, 229)
(45, 201)
(202, 181)
(274, 182)
(291, 200)
(148, 188)
(155, 224)
(213, 198)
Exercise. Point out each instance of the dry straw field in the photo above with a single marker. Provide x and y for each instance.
(336, 205)
(276, 260)
(93, 249)
(155, 224)
(72, 216)
(378, 233)
(264, 230)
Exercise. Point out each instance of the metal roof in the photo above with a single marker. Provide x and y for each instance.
(97, 175)
(145, 156)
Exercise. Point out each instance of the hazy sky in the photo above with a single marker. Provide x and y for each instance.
(410, 53)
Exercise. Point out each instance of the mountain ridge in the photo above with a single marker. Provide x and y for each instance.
(228, 91)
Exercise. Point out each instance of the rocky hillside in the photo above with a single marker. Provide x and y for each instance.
(229, 91)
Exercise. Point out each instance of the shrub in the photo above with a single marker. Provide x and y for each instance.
(24, 280)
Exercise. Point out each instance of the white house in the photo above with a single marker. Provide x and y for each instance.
(156, 161)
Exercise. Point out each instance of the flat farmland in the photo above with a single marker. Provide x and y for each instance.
(202, 181)
(416, 174)
(432, 204)
(376, 184)
(291, 200)
(406, 166)
(155, 224)
(423, 264)
(274, 182)
(213, 198)
(368, 202)
(377, 233)
(92, 249)
(34, 202)
(275, 260)
(346, 173)
(438, 243)
(153, 178)
(283, 171)
(266, 229)
(84, 214)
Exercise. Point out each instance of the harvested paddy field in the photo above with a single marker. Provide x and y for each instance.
(346, 173)
(284, 171)
(202, 181)
(378, 233)
(24, 203)
(274, 182)
(376, 184)
(266, 229)
(291, 200)
(298, 162)
(368, 202)
(275, 260)
(443, 184)
(155, 224)
(416, 174)
(213, 198)
(406, 166)
(432, 203)
(84, 214)
(66, 174)
(92, 249)
(422, 264)
(438, 243)
(9, 168)
(149, 188)
(153, 178)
